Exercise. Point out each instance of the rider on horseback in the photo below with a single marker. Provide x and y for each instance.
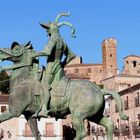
(54, 50)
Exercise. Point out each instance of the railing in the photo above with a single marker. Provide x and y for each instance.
(124, 127)
(116, 131)
(98, 131)
(136, 127)
(127, 129)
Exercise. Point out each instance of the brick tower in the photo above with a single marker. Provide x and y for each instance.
(109, 58)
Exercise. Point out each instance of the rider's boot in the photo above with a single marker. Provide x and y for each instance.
(44, 109)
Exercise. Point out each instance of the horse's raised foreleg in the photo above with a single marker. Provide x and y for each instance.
(5, 116)
(80, 128)
(109, 125)
(34, 128)
(11, 113)
(16, 108)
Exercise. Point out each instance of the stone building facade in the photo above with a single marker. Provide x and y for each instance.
(109, 57)
(121, 82)
(127, 83)
(130, 129)
(96, 72)
(131, 65)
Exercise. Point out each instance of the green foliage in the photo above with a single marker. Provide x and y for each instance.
(4, 82)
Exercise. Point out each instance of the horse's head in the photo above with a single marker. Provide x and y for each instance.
(11, 53)
(5, 54)
(15, 52)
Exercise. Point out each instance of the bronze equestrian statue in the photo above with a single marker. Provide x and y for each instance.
(54, 51)
(80, 98)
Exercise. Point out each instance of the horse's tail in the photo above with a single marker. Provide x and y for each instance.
(119, 103)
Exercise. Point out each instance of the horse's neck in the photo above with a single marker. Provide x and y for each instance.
(20, 71)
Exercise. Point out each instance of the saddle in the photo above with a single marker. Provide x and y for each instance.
(60, 89)
(59, 84)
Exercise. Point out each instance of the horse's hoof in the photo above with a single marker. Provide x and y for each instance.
(43, 114)
(35, 115)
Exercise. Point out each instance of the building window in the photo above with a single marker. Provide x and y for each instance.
(123, 86)
(127, 62)
(89, 70)
(76, 70)
(49, 132)
(116, 108)
(110, 55)
(126, 103)
(101, 71)
(134, 63)
(27, 132)
(137, 100)
(3, 108)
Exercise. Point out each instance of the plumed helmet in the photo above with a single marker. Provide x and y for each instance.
(56, 25)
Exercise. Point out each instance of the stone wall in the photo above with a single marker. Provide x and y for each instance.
(131, 65)
(131, 97)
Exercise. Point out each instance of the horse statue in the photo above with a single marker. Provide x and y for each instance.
(80, 98)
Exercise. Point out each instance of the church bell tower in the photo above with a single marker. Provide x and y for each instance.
(109, 57)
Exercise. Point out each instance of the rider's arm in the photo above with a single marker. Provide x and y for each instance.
(39, 54)
(69, 55)
(26, 61)
(48, 49)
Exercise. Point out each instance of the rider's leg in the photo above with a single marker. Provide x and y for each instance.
(44, 107)
(46, 96)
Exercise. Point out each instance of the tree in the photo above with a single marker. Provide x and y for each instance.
(4, 82)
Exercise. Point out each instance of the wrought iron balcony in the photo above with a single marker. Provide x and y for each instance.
(116, 131)
(125, 129)
(136, 127)
(98, 131)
